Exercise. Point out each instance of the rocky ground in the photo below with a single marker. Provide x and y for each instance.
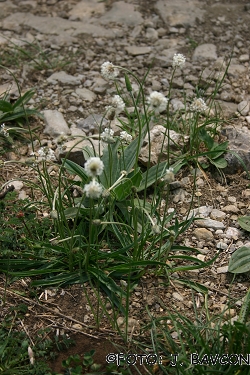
(67, 41)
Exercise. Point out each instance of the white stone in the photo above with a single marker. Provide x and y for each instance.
(63, 77)
(177, 13)
(122, 13)
(86, 94)
(86, 9)
(17, 184)
(244, 58)
(151, 34)
(231, 208)
(205, 52)
(209, 223)
(203, 234)
(217, 215)
(136, 50)
(243, 107)
(55, 123)
(233, 233)
(223, 269)
(178, 297)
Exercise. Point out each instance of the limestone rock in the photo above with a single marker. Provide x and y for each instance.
(73, 149)
(226, 109)
(55, 123)
(93, 124)
(86, 9)
(217, 214)
(86, 94)
(243, 107)
(178, 13)
(239, 140)
(57, 26)
(157, 138)
(235, 70)
(205, 52)
(136, 50)
(209, 223)
(203, 234)
(63, 77)
(122, 13)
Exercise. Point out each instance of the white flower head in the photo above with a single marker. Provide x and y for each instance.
(124, 136)
(179, 60)
(169, 175)
(94, 167)
(198, 105)
(157, 101)
(109, 70)
(93, 189)
(46, 153)
(116, 107)
(118, 104)
(107, 135)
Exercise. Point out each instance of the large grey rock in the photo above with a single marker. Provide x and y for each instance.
(63, 77)
(235, 70)
(86, 94)
(226, 110)
(92, 124)
(205, 52)
(57, 25)
(239, 140)
(72, 149)
(178, 13)
(86, 9)
(159, 144)
(55, 123)
(122, 13)
(243, 107)
(209, 223)
(165, 59)
(136, 50)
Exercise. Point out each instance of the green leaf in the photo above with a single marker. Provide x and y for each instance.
(76, 169)
(123, 189)
(110, 160)
(244, 311)
(109, 287)
(240, 260)
(136, 177)
(5, 106)
(206, 138)
(24, 99)
(244, 222)
(72, 213)
(219, 163)
(128, 159)
(128, 84)
(63, 278)
(194, 285)
(88, 152)
(157, 171)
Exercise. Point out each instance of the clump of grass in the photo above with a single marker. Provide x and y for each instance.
(111, 231)
(106, 227)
